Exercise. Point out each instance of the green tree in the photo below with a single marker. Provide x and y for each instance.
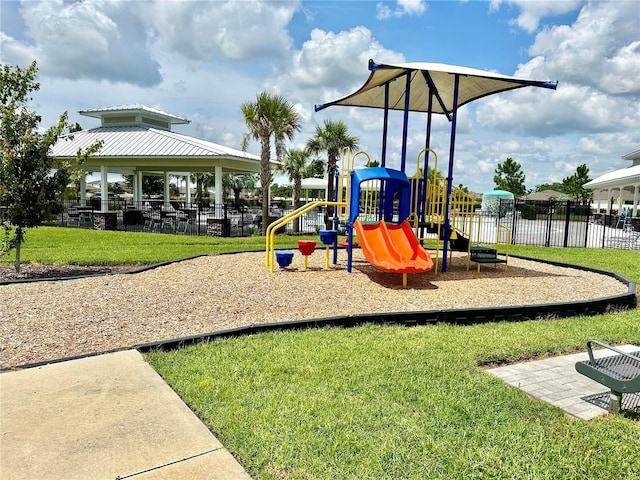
(574, 184)
(31, 181)
(284, 191)
(331, 138)
(296, 165)
(509, 177)
(269, 116)
(373, 163)
(151, 184)
(558, 187)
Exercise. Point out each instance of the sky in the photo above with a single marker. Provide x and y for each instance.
(202, 59)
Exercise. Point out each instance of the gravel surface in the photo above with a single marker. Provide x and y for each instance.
(47, 320)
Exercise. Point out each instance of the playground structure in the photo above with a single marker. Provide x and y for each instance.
(436, 206)
(383, 207)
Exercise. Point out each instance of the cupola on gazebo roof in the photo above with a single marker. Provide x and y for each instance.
(134, 114)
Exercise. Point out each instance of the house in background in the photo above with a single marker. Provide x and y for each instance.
(547, 195)
(619, 186)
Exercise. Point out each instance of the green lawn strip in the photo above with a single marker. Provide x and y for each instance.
(49, 245)
(393, 402)
(624, 262)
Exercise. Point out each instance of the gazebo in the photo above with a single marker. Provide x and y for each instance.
(619, 181)
(138, 140)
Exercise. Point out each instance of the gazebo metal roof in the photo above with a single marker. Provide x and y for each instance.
(617, 178)
(152, 149)
(138, 140)
(138, 111)
(137, 137)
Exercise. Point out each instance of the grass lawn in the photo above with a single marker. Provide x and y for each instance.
(413, 403)
(381, 402)
(51, 245)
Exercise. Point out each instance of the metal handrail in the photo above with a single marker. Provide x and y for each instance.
(273, 227)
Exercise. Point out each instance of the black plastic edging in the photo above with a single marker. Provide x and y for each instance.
(141, 269)
(463, 316)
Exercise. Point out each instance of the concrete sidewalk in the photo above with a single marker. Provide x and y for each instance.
(104, 417)
(555, 380)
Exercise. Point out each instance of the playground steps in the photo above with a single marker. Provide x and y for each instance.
(483, 255)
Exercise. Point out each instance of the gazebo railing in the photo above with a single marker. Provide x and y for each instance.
(179, 217)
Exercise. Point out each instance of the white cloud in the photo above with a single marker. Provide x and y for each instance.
(119, 41)
(404, 7)
(597, 63)
(383, 10)
(531, 12)
(89, 39)
(230, 29)
(601, 49)
(331, 64)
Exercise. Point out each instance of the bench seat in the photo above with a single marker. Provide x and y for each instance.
(620, 372)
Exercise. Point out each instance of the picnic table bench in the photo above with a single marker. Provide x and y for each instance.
(620, 372)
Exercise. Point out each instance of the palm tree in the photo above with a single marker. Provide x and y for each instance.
(332, 138)
(238, 182)
(269, 116)
(296, 165)
(203, 181)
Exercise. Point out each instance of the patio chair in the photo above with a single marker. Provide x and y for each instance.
(147, 215)
(167, 220)
(628, 239)
(182, 222)
(73, 218)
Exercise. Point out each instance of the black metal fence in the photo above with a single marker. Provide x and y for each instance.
(178, 217)
(555, 223)
(542, 223)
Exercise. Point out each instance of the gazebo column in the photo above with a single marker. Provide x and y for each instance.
(598, 207)
(83, 188)
(187, 188)
(167, 192)
(218, 185)
(138, 186)
(608, 201)
(104, 189)
(636, 190)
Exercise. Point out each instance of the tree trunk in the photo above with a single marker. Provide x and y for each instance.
(19, 238)
(332, 165)
(296, 204)
(265, 180)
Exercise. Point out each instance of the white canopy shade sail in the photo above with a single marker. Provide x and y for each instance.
(423, 77)
(314, 183)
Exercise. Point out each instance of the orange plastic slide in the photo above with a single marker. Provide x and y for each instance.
(393, 248)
